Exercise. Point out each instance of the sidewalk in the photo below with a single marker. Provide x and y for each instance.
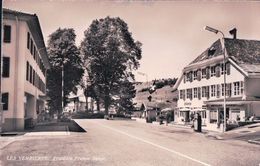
(44, 128)
(249, 133)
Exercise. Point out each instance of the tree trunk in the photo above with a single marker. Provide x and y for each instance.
(98, 105)
(106, 103)
(86, 97)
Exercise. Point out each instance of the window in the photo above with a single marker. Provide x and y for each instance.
(5, 98)
(27, 71)
(222, 69)
(236, 88)
(195, 74)
(189, 94)
(203, 94)
(28, 40)
(195, 92)
(33, 77)
(213, 90)
(213, 71)
(34, 52)
(7, 34)
(31, 73)
(204, 73)
(31, 48)
(6, 66)
(228, 89)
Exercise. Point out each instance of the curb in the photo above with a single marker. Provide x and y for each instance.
(255, 141)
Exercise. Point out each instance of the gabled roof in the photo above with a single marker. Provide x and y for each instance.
(245, 53)
(35, 28)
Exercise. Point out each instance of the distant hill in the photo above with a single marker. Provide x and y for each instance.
(164, 97)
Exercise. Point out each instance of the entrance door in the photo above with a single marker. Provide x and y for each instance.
(187, 116)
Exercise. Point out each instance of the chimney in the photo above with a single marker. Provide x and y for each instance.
(233, 32)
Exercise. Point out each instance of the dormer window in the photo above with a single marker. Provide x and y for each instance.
(211, 51)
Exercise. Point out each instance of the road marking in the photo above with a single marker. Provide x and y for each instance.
(154, 144)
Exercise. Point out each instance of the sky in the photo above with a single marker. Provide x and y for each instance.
(171, 32)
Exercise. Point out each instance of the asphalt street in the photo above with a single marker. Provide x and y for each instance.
(120, 142)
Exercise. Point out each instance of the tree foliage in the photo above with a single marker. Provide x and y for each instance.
(110, 55)
(63, 53)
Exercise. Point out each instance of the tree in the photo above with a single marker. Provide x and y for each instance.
(111, 54)
(125, 94)
(63, 55)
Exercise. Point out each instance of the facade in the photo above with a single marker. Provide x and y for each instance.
(201, 86)
(23, 76)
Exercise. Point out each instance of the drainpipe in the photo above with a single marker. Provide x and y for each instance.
(1, 108)
(16, 72)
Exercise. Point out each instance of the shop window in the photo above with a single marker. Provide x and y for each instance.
(213, 116)
(6, 67)
(7, 33)
(5, 101)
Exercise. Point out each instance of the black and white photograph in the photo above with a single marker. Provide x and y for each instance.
(130, 83)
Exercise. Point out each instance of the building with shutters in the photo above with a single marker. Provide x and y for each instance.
(201, 86)
(23, 76)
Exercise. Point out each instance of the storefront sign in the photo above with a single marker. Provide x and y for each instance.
(186, 103)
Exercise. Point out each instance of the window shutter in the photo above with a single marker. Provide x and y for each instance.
(184, 94)
(184, 77)
(218, 91)
(199, 93)
(207, 73)
(207, 92)
(191, 94)
(228, 68)
(218, 71)
(191, 76)
(199, 75)
(242, 87)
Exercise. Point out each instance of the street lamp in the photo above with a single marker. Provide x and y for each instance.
(224, 65)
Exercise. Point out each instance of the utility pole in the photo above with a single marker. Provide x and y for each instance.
(224, 68)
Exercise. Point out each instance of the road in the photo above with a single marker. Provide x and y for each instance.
(128, 143)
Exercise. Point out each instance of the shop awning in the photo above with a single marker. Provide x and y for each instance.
(230, 102)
